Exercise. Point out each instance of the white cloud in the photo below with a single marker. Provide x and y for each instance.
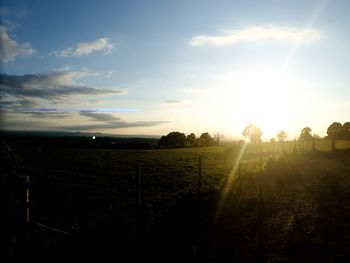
(293, 35)
(10, 48)
(82, 49)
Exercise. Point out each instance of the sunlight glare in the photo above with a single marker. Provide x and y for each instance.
(230, 180)
(267, 99)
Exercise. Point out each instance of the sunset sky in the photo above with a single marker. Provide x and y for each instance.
(152, 67)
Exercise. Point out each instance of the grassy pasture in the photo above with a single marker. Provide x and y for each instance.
(109, 177)
(279, 213)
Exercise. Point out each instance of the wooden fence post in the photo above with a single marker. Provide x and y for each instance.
(138, 185)
(261, 158)
(27, 201)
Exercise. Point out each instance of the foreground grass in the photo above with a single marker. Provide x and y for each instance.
(297, 210)
(297, 205)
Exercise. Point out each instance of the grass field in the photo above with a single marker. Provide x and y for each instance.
(286, 203)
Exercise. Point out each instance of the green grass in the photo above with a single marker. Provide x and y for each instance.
(297, 210)
(88, 184)
(297, 199)
(106, 178)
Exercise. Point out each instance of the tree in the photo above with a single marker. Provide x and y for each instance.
(206, 139)
(345, 131)
(253, 132)
(282, 136)
(173, 140)
(199, 142)
(305, 134)
(191, 139)
(334, 130)
(217, 137)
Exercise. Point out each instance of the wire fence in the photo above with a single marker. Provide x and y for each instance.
(146, 186)
(257, 156)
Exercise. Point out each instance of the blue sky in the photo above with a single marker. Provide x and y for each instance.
(192, 66)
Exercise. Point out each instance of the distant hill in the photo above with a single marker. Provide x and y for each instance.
(60, 139)
(73, 134)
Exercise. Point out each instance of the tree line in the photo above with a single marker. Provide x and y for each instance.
(175, 139)
(336, 131)
(178, 139)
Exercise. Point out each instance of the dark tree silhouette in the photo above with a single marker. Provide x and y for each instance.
(191, 139)
(305, 134)
(206, 139)
(334, 130)
(282, 136)
(253, 132)
(173, 140)
(345, 132)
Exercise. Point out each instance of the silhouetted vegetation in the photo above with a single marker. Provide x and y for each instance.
(178, 140)
(336, 131)
(206, 140)
(282, 136)
(253, 133)
(173, 140)
(305, 134)
(191, 140)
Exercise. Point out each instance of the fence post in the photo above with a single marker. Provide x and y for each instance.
(261, 158)
(333, 145)
(27, 201)
(199, 183)
(273, 150)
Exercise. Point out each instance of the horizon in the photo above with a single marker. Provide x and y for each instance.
(151, 68)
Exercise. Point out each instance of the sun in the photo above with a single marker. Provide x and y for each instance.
(265, 98)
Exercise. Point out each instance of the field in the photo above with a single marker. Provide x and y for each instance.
(283, 203)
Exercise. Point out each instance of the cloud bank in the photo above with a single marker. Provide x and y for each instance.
(50, 86)
(292, 35)
(10, 48)
(109, 121)
(81, 49)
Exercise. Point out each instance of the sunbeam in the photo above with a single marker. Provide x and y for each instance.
(230, 180)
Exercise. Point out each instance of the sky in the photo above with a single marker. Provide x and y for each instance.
(152, 67)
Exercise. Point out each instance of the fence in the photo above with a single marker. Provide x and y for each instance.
(262, 153)
(149, 181)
